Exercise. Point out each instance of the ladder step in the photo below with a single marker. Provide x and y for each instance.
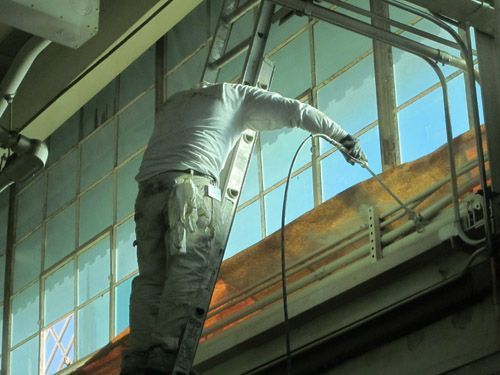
(241, 11)
(232, 54)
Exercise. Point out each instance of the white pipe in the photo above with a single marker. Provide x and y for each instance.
(18, 69)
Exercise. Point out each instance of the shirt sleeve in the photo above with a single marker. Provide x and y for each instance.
(265, 110)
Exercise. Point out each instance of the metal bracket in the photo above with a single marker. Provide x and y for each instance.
(374, 234)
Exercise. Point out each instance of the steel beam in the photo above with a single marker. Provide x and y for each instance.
(386, 93)
(372, 32)
(478, 13)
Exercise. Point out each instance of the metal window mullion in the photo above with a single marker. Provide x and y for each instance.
(315, 147)
(386, 93)
(260, 181)
(8, 282)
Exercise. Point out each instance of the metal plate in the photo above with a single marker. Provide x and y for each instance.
(67, 22)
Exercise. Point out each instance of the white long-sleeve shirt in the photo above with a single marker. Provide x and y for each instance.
(196, 129)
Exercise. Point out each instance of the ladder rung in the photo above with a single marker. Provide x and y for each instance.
(241, 11)
(232, 54)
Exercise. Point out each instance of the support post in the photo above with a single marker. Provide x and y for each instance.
(488, 49)
(386, 94)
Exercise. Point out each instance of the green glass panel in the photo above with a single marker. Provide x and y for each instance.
(62, 182)
(281, 31)
(59, 292)
(343, 98)
(126, 255)
(96, 209)
(25, 314)
(336, 48)
(61, 236)
(127, 187)
(246, 230)
(1, 326)
(278, 149)
(93, 270)
(189, 74)
(339, 175)
(292, 79)
(24, 359)
(98, 155)
(2, 275)
(122, 301)
(300, 200)
(188, 35)
(4, 217)
(93, 326)
(135, 125)
(100, 108)
(30, 204)
(138, 77)
(27, 260)
(64, 138)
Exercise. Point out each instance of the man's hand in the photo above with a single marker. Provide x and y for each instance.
(353, 149)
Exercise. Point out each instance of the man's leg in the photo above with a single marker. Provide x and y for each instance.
(148, 285)
(186, 274)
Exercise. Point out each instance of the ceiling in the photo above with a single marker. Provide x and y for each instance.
(62, 79)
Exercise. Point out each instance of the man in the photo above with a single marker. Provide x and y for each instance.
(177, 216)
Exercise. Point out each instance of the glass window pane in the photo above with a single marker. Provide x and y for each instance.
(122, 300)
(2, 275)
(138, 77)
(30, 204)
(458, 105)
(98, 155)
(339, 175)
(127, 187)
(100, 108)
(421, 127)
(300, 200)
(292, 79)
(278, 148)
(64, 138)
(188, 35)
(59, 339)
(24, 360)
(1, 326)
(27, 260)
(188, 74)
(246, 230)
(411, 73)
(343, 98)
(251, 184)
(93, 270)
(126, 255)
(62, 184)
(25, 314)
(96, 209)
(135, 125)
(59, 291)
(281, 31)
(61, 236)
(4, 217)
(232, 70)
(336, 48)
(93, 326)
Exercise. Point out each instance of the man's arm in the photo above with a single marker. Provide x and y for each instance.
(265, 110)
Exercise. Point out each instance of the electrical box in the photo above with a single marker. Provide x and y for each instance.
(67, 22)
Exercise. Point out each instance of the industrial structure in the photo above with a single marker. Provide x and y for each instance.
(394, 273)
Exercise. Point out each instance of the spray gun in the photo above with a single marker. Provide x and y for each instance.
(418, 219)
